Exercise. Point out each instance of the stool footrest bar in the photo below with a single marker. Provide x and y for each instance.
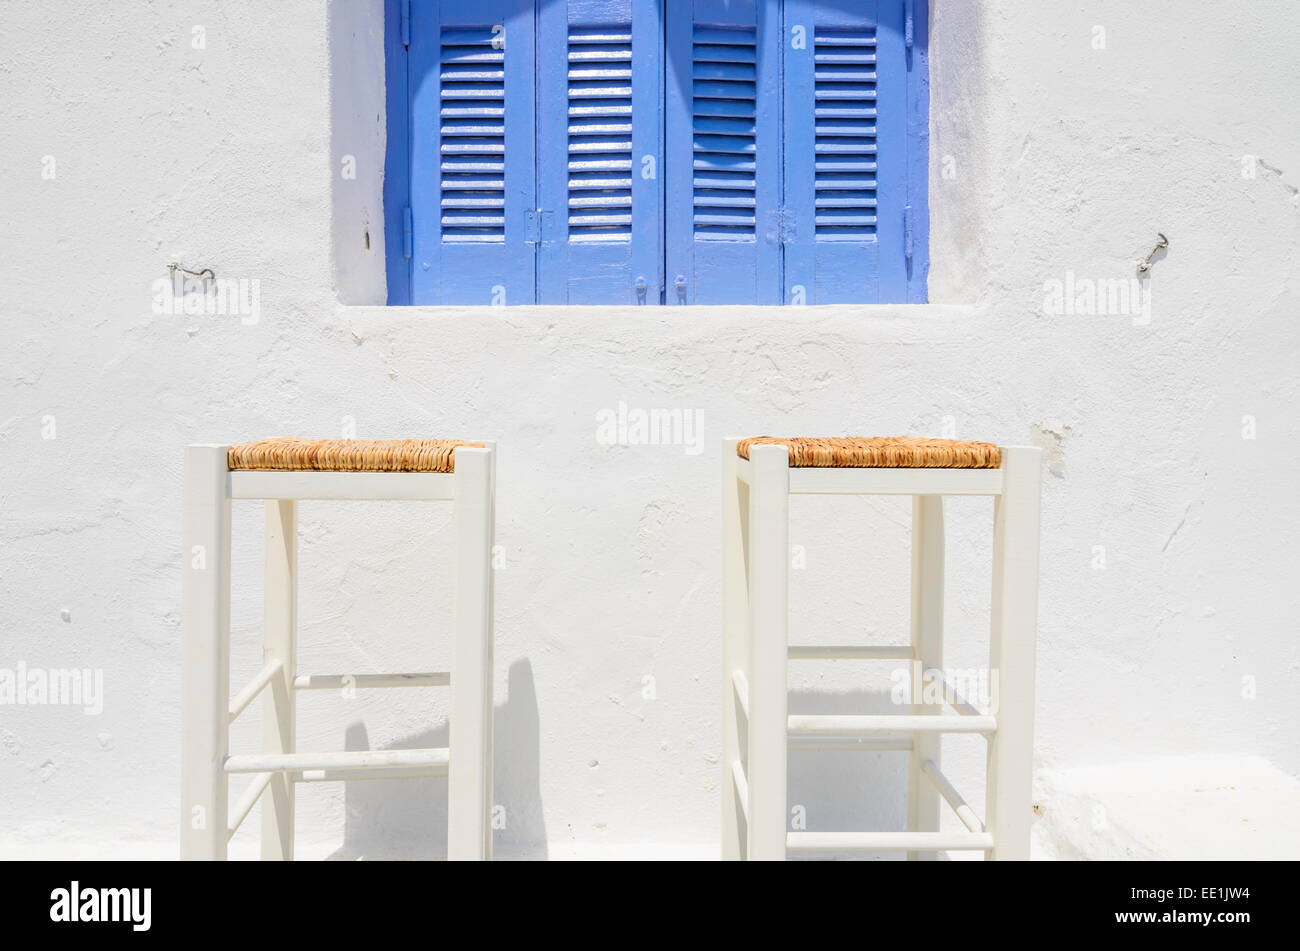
(741, 686)
(949, 792)
(357, 775)
(830, 743)
(887, 841)
(742, 786)
(851, 652)
(246, 696)
(890, 723)
(340, 681)
(246, 803)
(361, 759)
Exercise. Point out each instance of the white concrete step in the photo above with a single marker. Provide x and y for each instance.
(1174, 808)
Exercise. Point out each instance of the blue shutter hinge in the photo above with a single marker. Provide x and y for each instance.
(907, 232)
(909, 20)
(536, 222)
(781, 226)
(408, 233)
(406, 23)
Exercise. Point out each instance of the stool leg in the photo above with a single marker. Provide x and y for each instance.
(469, 783)
(735, 646)
(927, 649)
(769, 565)
(205, 653)
(279, 642)
(1009, 795)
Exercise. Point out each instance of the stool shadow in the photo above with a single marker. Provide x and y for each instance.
(847, 791)
(407, 819)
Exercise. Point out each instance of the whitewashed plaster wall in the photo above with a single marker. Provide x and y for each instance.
(1064, 158)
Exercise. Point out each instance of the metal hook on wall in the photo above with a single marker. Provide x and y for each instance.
(204, 275)
(1145, 264)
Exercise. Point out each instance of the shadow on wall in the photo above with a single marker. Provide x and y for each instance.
(407, 819)
(847, 791)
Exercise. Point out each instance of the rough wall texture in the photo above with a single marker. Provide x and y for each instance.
(1169, 601)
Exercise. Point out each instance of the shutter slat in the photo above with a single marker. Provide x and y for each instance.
(579, 182)
(610, 54)
(711, 53)
(841, 91)
(724, 143)
(616, 199)
(477, 184)
(715, 179)
(725, 108)
(600, 91)
(720, 89)
(597, 126)
(844, 126)
(857, 201)
(721, 198)
(464, 202)
(707, 36)
(600, 144)
(460, 110)
(457, 165)
(716, 162)
(601, 165)
(833, 56)
(602, 74)
(596, 36)
(600, 109)
(739, 71)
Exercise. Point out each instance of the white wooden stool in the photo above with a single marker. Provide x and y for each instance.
(759, 476)
(282, 471)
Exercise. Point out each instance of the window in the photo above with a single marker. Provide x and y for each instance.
(656, 151)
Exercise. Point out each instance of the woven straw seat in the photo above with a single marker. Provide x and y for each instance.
(880, 452)
(288, 453)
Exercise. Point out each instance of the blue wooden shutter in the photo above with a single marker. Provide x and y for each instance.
(599, 156)
(847, 152)
(472, 152)
(723, 152)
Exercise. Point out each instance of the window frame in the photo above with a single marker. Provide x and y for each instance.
(397, 184)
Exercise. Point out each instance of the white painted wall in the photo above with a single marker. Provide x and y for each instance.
(1067, 159)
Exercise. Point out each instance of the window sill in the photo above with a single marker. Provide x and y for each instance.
(919, 323)
(784, 313)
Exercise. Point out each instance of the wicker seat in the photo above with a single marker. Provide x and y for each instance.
(288, 453)
(880, 452)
